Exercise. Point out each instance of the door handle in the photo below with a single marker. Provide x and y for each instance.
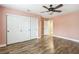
(29, 29)
(8, 31)
(21, 30)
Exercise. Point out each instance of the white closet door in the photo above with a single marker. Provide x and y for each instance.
(34, 27)
(25, 30)
(46, 28)
(17, 29)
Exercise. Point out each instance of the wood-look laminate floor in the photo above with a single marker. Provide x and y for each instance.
(62, 46)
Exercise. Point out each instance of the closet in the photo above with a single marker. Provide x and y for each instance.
(21, 28)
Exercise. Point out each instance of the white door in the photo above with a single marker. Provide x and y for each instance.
(18, 28)
(34, 27)
(46, 27)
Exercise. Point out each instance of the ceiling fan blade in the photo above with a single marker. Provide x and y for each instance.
(44, 11)
(58, 6)
(45, 7)
(57, 11)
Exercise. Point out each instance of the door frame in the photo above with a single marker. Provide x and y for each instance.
(7, 27)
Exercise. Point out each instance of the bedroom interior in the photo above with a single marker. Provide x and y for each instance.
(39, 29)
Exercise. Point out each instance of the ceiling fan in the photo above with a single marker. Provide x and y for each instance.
(52, 9)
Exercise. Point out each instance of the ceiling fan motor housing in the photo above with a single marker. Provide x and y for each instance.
(51, 9)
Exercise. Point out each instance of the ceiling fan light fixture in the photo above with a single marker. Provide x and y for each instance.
(28, 10)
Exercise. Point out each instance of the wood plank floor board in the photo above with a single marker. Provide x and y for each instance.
(62, 46)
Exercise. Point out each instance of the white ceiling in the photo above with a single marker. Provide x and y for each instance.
(37, 8)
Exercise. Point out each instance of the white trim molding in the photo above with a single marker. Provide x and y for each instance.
(76, 40)
(2, 45)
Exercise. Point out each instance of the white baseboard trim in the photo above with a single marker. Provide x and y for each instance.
(76, 40)
(2, 45)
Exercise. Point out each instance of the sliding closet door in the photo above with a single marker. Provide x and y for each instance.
(34, 27)
(18, 28)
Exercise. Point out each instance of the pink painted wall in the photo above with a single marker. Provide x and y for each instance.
(67, 25)
(2, 27)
